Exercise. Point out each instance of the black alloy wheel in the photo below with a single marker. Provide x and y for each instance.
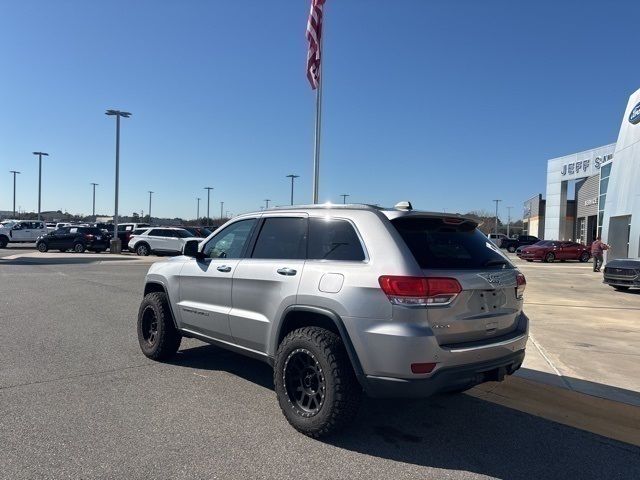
(149, 325)
(549, 257)
(304, 382)
(584, 257)
(42, 247)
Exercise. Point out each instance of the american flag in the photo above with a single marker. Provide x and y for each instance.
(314, 34)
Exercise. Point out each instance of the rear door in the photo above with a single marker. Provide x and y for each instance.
(487, 306)
(266, 283)
(205, 284)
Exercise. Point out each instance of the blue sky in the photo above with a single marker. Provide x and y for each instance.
(449, 104)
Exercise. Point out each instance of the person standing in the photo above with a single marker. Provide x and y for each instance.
(597, 252)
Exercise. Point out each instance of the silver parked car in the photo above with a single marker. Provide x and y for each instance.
(342, 300)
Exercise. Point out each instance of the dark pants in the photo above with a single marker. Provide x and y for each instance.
(597, 262)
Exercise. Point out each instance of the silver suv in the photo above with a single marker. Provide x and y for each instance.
(342, 300)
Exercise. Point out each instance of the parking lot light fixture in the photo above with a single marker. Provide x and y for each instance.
(14, 191)
(150, 193)
(40, 155)
(208, 189)
(94, 200)
(198, 209)
(116, 245)
(344, 198)
(292, 177)
(267, 200)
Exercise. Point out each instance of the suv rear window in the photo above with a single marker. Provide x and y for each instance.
(438, 244)
(333, 240)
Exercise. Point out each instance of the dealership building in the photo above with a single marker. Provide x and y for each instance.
(594, 192)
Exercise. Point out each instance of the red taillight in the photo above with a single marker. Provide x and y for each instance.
(422, 367)
(418, 291)
(521, 284)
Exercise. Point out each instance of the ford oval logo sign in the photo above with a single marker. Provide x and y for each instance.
(634, 116)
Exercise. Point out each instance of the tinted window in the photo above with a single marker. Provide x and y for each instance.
(160, 232)
(230, 242)
(182, 234)
(439, 245)
(333, 240)
(283, 238)
(91, 230)
(139, 231)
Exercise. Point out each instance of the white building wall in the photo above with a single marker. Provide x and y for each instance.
(562, 170)
(623, 192)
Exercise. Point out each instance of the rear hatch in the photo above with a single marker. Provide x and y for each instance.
(489, 303)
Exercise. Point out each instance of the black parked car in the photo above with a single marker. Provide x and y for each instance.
(77, 239)
(201, 232)
(512, 244)
(622, 274)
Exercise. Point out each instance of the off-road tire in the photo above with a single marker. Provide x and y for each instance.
(79, 247)
(42, 247)
(550, 257)
(167, 339)
(342, 391)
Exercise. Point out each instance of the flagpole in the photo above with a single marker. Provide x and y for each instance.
(316, 149)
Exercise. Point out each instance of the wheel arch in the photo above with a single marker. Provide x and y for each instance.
(157, 287)
(299, 316)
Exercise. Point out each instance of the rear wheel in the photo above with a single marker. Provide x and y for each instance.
(42, 247)
(3, 242)
(157, 334)
(315, 384)
(79, 247)
(549, 257)
(584, 257)
(511, 249)
(621, 289)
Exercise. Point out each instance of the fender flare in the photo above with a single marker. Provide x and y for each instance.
(164, 289)
(344, 335)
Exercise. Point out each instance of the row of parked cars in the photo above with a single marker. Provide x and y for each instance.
(531, 248)
(141, 238)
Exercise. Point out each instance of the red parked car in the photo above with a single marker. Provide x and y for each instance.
(551, 250)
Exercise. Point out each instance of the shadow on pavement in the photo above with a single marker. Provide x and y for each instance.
(583, 386)
(61, 260)
(455, 432)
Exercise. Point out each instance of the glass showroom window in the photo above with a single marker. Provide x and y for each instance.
(605, 172)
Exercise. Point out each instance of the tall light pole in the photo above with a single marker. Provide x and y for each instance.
(116, 245)
(150, 193)
(40, 155)
(292, 177)
(94, 200)
(198, 209)
(497, 201)
(221, 207)
(508, 220)
(267, 200)
(344, 198)
(208, 189)
(14, 191)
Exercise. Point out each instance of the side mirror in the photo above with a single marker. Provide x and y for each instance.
(191, 249)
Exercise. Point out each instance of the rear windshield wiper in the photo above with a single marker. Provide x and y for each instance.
(495, 263)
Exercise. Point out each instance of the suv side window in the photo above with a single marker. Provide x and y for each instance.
(159, 232)
(230, 242)
(282, 238)
(333, 240)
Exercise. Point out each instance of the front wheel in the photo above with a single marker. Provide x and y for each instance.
(549, 257)
(142, 250)
(584, 258)
(3, 242)
(79, 247)
(315, 384)
(42, 247)
(157, 334)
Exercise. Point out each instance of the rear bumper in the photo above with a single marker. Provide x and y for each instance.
(451, 378)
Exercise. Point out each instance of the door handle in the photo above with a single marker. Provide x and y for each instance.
(224, 268)
(287, 271)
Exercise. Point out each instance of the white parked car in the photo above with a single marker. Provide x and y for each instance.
(21, 231)
(497, 238)
(160, 240)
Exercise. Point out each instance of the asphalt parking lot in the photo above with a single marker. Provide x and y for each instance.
(79, 400)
